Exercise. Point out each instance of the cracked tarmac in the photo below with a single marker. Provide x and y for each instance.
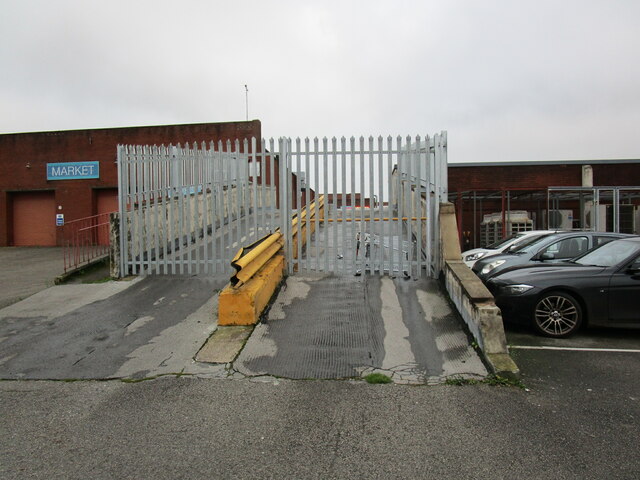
(319, 327)
(335, 327)
(127, 329)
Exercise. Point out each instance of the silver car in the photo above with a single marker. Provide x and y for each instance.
(470, 257)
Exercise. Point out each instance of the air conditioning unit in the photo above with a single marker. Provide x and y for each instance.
(560, 219)
(491, 226)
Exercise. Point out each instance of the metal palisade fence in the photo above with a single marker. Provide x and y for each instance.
(377, 204)
(187, 209)
(344, 206)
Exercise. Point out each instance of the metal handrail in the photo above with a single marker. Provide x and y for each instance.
(85, 240)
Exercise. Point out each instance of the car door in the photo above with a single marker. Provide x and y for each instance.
(624, 295)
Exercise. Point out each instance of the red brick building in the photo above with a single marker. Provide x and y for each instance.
(33, 190)
(479, 189)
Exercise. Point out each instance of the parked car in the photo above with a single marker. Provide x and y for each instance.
(601, 287)
(470, 257)
(552, 248)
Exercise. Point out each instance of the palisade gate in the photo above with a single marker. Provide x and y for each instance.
(344, 206)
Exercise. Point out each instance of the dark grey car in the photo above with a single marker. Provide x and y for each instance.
(601, 287)
(552, 248)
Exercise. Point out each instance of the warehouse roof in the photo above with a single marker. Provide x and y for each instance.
(542, 163)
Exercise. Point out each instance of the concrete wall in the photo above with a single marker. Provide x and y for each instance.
(472, 299)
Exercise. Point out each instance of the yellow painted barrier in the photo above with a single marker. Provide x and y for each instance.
(300, 225)
(260, 268)
(251, 259)
(368, 219)
(245, 304)
(259, 271)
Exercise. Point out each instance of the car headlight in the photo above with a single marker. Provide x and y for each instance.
(516, 289)
(474, 256)
(490, 266)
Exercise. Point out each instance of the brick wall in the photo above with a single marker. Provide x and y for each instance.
(520, 180)
(514, 177)
(539, 177)
(24, 156)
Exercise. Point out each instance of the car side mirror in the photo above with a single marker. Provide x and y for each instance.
(546, 256)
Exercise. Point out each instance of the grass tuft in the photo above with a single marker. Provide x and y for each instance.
(378, 378)
(459, 381)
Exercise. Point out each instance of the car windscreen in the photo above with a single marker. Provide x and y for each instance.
(500, 243)
(527, 241)
(526, 246)
(609, 254)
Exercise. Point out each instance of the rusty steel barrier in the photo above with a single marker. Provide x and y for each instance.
(85, 240)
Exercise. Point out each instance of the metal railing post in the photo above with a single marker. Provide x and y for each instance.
(285, 199)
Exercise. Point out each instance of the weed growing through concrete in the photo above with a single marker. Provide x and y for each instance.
(459, 381)
(493, 380)
(100, 280)
(138, 380)
(497, 380)
(377, 378)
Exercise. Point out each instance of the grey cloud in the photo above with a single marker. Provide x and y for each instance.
(561, 71)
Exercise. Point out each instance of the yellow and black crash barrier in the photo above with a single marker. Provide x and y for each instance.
(259, 268)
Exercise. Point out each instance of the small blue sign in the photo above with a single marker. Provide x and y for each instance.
(59, 219)
(73, 170)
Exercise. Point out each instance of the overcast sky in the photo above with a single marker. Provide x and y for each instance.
(509, 80)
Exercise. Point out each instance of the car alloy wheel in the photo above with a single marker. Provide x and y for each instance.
(557, 314)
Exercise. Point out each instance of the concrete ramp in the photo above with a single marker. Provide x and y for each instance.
(333, 327)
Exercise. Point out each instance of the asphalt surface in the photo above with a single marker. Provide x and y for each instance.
(27, 270)
(565, 426)
(321, 327)
(139, 328)
(597, 338)
(331, 327)
(577, 418)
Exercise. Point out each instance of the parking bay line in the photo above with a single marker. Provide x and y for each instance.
(574, 349)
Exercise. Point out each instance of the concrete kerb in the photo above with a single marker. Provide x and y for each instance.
(65, 277)
(473, 301)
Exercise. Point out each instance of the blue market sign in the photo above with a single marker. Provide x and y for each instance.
(73, 170)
